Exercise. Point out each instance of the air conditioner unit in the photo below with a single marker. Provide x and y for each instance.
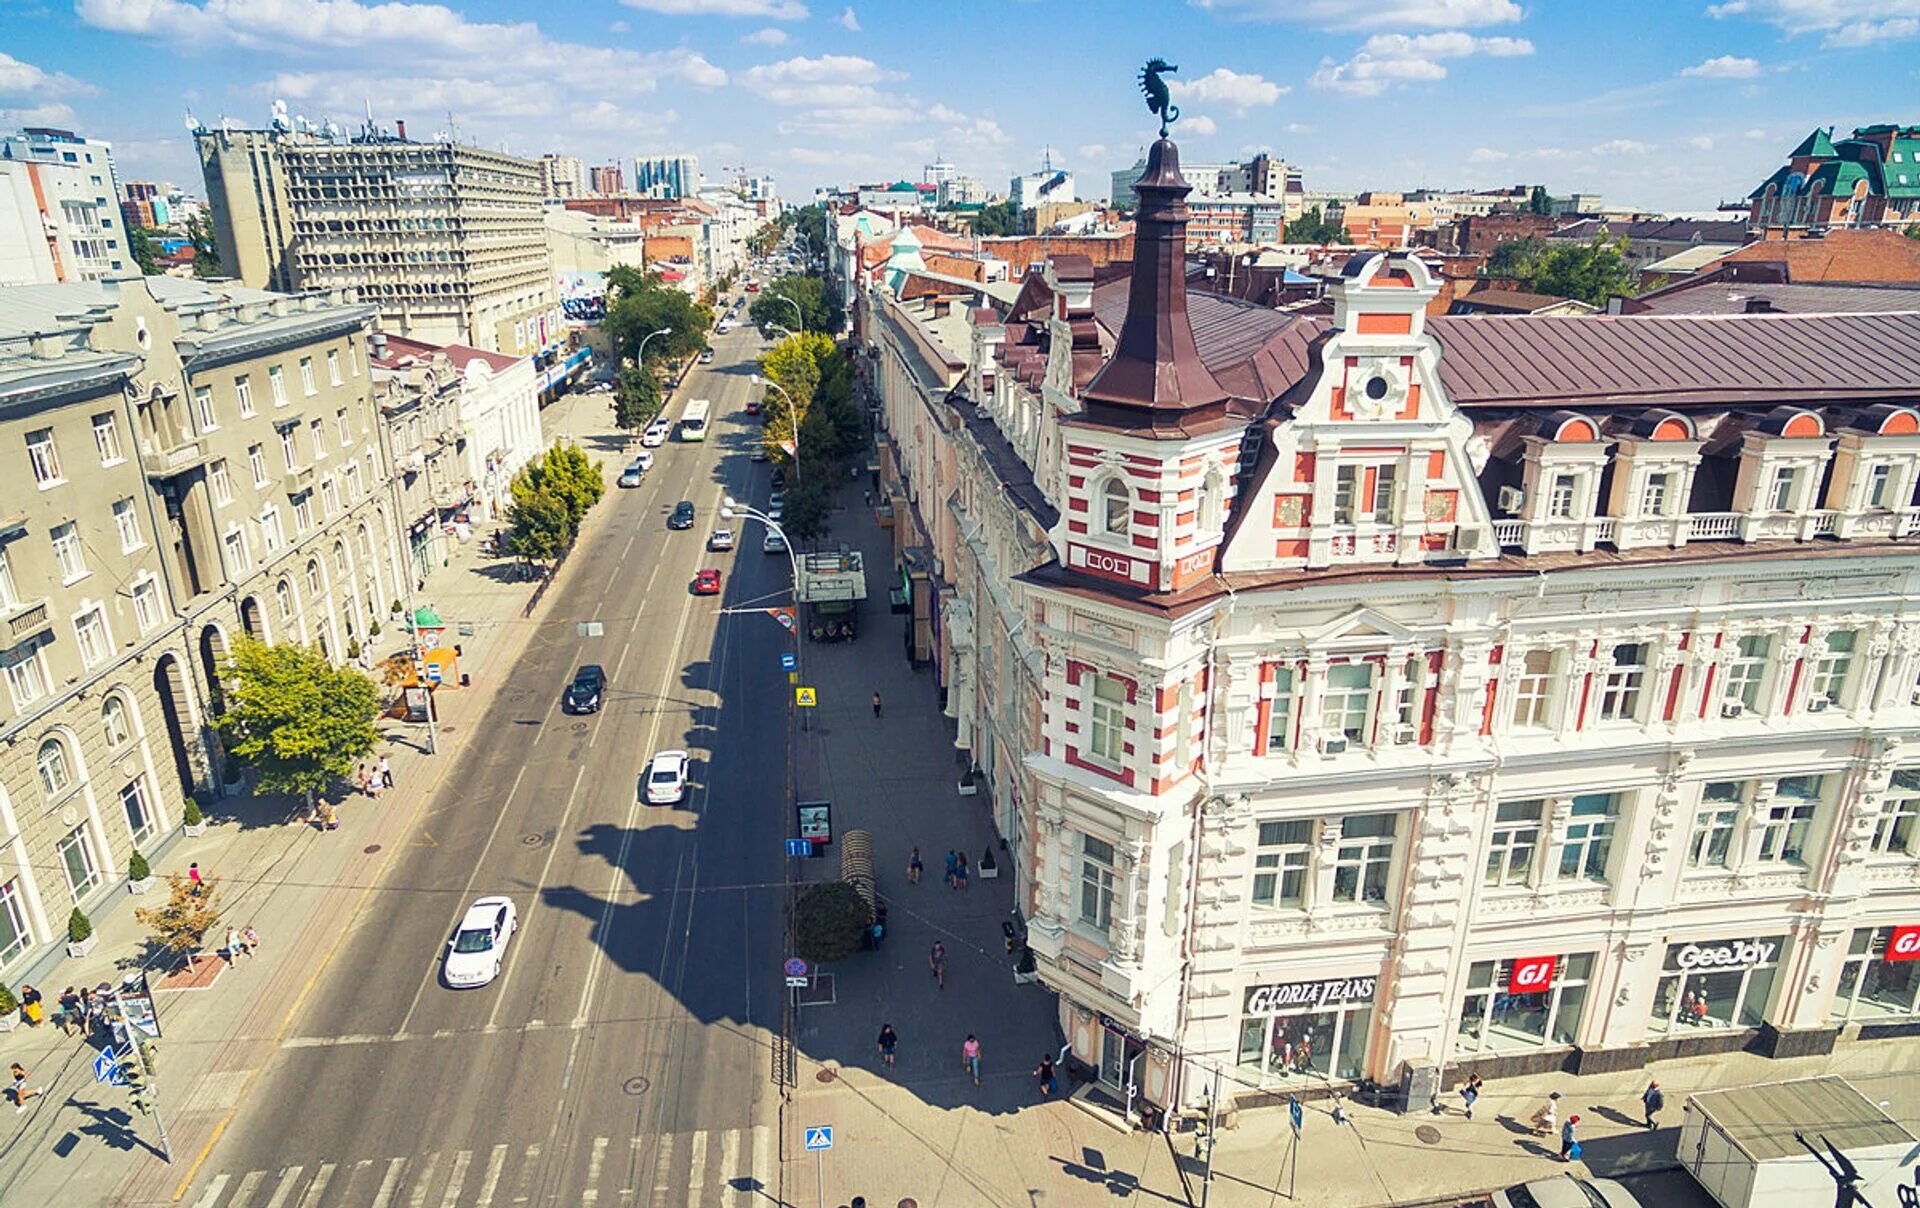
(1733, 708)
(1817, 704)
(1512, 499)
(1333, 744)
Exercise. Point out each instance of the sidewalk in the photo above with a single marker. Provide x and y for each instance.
(299, 887)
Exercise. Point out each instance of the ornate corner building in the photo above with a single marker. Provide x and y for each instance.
(1371, 697)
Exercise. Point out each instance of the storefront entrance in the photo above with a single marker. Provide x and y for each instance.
(1716, 984)
(1312, 1030)
(1523, 1003)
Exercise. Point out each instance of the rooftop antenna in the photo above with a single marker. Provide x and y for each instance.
(453, 132)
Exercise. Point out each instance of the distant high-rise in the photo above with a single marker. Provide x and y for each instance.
(607, 180)
(666, 176)
(563, 175)
(938, 173)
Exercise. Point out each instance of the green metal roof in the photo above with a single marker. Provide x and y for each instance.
(1817, 144)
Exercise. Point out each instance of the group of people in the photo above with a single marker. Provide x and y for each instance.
(888, 1044)
(375, 778)
(957, 868)
(1546, 1119)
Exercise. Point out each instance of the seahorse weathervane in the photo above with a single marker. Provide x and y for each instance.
(1159, 99)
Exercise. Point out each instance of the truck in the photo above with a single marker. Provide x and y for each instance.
(1788, 1144)
(831, 585)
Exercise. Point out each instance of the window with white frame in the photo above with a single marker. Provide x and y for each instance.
(1409, 701)
(1784, 493)
(67, 552)
(1116, 503)
(9, 594)
(1533, 690)
(352, 477)
(290, 446)
(1096, 882)
(56, 773)
(1280, 864)
(313, 579)
(1715, 821)
(329, 498)
(114, 723)
(306, 377)
(1589, 842)
(1347, 700)
(1880, 487)
(106, 438)
(1657, 495)
(1561, 493)
(203, 413)
(44, 458)
(220, 483)
(126, 521)
(340, 564)
(1106, 718)
(317, 434)
(353, 359)
(243, 392)
(1832, 668)
(341, 428)
(1363, 861)
(283, 597)
(78, 862)
(239, 558)
(277, 385)
(1899, 821)
(26, 677)
(1212, 502)
(1364, 493)
(1516, 839)
(139, 814)
(1746, 673)
(146, 605)
(257, 464)
(1622, 685)
(272, 538)
(303, 512)
(16, 936)
(1280, 711)
(1787, 823)
(333, 367)
(90, 633)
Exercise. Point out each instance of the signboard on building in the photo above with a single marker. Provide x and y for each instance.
(1531, 975)
(1904, 944)
(1730, 954)
(815, 821)
(1309, 995)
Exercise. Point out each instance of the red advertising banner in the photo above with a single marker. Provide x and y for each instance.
(1531, 975)
(1904, 943)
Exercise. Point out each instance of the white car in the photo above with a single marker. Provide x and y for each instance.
(644, 461)
(665, 780)
(720, 539)
(479, 944)
(1566, 1191)
(777, 498)
(773, 543)
(653, 438)
(775, 512)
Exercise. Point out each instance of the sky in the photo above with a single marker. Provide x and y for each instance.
(1672, 105)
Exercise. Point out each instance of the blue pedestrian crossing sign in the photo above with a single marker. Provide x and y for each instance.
(106, 1068)
(819, 1136)
(1295, 1115)
(788, 662)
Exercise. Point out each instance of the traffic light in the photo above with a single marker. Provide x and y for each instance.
(135, 1071)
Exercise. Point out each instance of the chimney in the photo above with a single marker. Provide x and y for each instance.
(400, 125)
(1759, 306)
(377, 341)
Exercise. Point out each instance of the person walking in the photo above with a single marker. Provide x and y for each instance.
(386, 773)
(888, 1040)
(953, 862)
(876, 706)
(233, 945)
(960, 870)
(366, 781)
(937, 961)
(1570, 1139)
(970, 1057)
(72, 1017)
(1653, 1099)
(250, 938)
(913, 867)
(1470, 1093)
(194, 879)
(1547, 1119)
(30, 1006)
(20, 1092)
(1044, 1072)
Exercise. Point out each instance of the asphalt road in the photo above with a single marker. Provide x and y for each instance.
(623, 1055)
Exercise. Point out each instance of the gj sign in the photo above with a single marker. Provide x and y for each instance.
(1904, 943)
(1312, 995)
(1531, 975)
(1735, 954)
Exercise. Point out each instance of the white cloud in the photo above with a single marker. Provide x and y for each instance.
(1297, 128)
(769, 36)
(1700, 142)
(19, 78)
(1387, 60)
(57, 113)
(1866, 33)
(1725, 67)
(778, 10)
(619, 27)
(848, 21)
(1843, 22)
(1090, 152)
(1372, 14)
(1486, 155)
(1239, 92)
(1622, 146)
(1199, 124)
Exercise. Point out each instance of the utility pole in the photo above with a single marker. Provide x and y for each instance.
(406, 579)
(1213, 1104)
(140, 1090)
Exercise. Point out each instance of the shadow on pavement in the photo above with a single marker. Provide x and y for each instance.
(113, 1126)
(1635, 1152)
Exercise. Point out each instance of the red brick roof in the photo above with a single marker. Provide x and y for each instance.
(401, 351)
(1871, 255)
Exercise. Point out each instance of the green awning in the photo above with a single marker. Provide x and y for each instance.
(427, 618)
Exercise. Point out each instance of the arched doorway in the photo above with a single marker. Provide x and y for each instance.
(253, 618)
(170, 685)
(213, 654)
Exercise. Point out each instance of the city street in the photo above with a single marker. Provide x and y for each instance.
(622, 1055)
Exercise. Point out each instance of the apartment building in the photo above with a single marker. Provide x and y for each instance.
(563, 176)
(607, 180)
(1379, 698)
(197, 462)
(248, 199)
(666, 177)
(59, 215)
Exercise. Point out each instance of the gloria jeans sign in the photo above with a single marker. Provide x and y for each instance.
(1309, 995)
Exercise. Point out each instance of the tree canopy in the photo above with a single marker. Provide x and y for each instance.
(1591, 272)
(830, 921)
(637, 398)
(818, 376)
(140, 244)
(550, 499)
(299, 722)
(1539, 201)
(811, 223)
(206, 257)
(819, 309)
(1000, 218)
(181, 923)
(638, 303)
(1310, 227)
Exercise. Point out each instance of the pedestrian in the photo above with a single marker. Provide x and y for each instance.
(20, 1092)
(888, 1039)
(366, 781)
(377, 785)
(913, 867)
(953, 862)
(1653, 1099)
(386, 773)
(329, 817)
(1470, 1092)
(233, 945)
(250, 938)
(1044, 1072)
(71, 1016)
(876, 705)
(1548, 1117)
(868, 494)
(937, 961)
(960, 870)
(193, 878)
(1570, 1140)
(30, 1008)
(970, 1057)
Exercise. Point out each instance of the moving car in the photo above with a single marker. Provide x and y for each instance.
(773, 543)
(665, 780)
(720, 539)
(682, 517)
(706, 358)
(630, 477)
(1566, 1191)
(644, 461)
(757, 453)
(706, 582)
(479, 944)
(584, 694)
(753, 406)
(654, 436)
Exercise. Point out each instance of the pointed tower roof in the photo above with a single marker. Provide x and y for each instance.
(1817, 145)
(1155, 379)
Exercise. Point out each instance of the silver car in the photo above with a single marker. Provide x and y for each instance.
(1566, 1191)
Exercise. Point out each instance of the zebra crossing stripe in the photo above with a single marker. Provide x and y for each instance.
(491, 1179)
(318, 1187)
(697, 1178)
(420, 1185)
(729, 1159)
(289, 1179)
(527, 1168)
(248, 1182)
(591, 1194)
(662, 1170)
(211, 1195)
(455, 1177)
(384, 1196)
(762, 1162)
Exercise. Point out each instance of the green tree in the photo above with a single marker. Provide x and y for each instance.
(181, 923)
(638, 304)
(568, 475)
(538, 526)
(206, 257)
(764, 239)
(295, 719)
(808, 505)
(830, 921)
(1519, 258)
(1591, 272)
(819, 310)
(1001, 218)
(1311, 227)
(636, 398)
(140, 243)
(811, 223)
(1539, 201)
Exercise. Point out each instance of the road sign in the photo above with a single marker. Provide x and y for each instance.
(433, 673)
(1295, 1115)
(805, 698)
(819, 1136)
(795, 967)
(793, 677)
(799, 847)
(106, 1068)
(789, 661)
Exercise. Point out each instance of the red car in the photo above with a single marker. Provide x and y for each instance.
(706, 582)
(753, 406)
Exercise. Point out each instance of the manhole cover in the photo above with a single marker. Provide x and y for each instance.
(578, 727)
(1428, 1134)
(367, 851)
(909, 1203)
(636, 1085)
(532, 840)
(825, 1076)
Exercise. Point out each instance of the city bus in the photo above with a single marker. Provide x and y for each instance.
(693, 421)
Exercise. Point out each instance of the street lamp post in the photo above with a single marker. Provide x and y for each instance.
(797, 313)
(729, 508)
(640, 357)
(793, 408)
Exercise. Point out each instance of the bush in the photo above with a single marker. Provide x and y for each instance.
(373, 630)
(79, 927)
(137, 869)
(829, 921)
(1025, 963)
(8, 1003)
(191, 815)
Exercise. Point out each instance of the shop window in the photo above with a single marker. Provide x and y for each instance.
(1516, 837)
(1096, 882)
(1533, 691)
(1280, 864)
(1746, 674)
(1622, 686)
(1106, 719)
(133, 800)
(1348, 700)
(78, 862)
(1589, 837)
(1363, 861)
(1714, 823)
(1832, 669)
(1881, 978)
(1716, 984)
(1788, 821)
(1280, 711)
(15, 937)
(1307, 1031)
(1894, 831)
(1523, 1004)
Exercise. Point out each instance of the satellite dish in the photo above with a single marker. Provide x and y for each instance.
(193, 123)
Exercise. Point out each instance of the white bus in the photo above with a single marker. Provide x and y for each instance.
(693, 421)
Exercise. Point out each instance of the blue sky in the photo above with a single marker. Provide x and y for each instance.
(1671, 105)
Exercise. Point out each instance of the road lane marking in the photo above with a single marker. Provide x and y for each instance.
(591, 1193)
(211, 1195)
(384, 1196)
(540, 886)
(662, 1169)
(528, 1167)
(729, 1160)
(697, 1177)
(289, 1179)
(318, 1187)
(455, 1177)
(247, 1183)
(419, 1197)
(762, 1162)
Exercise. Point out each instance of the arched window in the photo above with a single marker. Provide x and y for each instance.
(116, 723)
(313, 576)
(55, 773)
(1116, 506)
(340, 559)
(283, 596)
(366, 543)
(1213, 496)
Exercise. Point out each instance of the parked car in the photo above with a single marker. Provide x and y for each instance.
(706, 358)
(630, 477)
(479, 944)
(584, 694)
(773, 543)
(753, 406)
(682, 517)
(720, 539)
(665, 780)
(777, 498)
(706, 582)
(776, 511)
(1566, 1191)
(757, 453)
(654, 437)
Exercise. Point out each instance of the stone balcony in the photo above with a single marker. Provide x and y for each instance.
(1563, 536)
(165, 462)
(26, 620)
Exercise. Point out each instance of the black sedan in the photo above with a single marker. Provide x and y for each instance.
(584, 694)
(682, 517)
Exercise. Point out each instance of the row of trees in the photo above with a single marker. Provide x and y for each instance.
(817, 307)
(1591, 272)
(817, 376)
(550, 500)
(1000, 218)
(1311, 227)
(638, 304)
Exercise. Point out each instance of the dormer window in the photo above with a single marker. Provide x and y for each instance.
(1117, 505)
(1658, 497)
(1785, 494)
(1560, 496)
(1880, 487)
(1363, 493)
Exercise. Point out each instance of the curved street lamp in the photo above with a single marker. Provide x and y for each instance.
(640, 357)
(729, 509)
(793, 409)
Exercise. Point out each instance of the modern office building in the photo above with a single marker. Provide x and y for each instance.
(669, 177)
(563, 176)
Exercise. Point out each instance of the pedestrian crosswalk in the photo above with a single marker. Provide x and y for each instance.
(667, 1171)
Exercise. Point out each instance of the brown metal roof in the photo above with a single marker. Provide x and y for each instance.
(1717, 297)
